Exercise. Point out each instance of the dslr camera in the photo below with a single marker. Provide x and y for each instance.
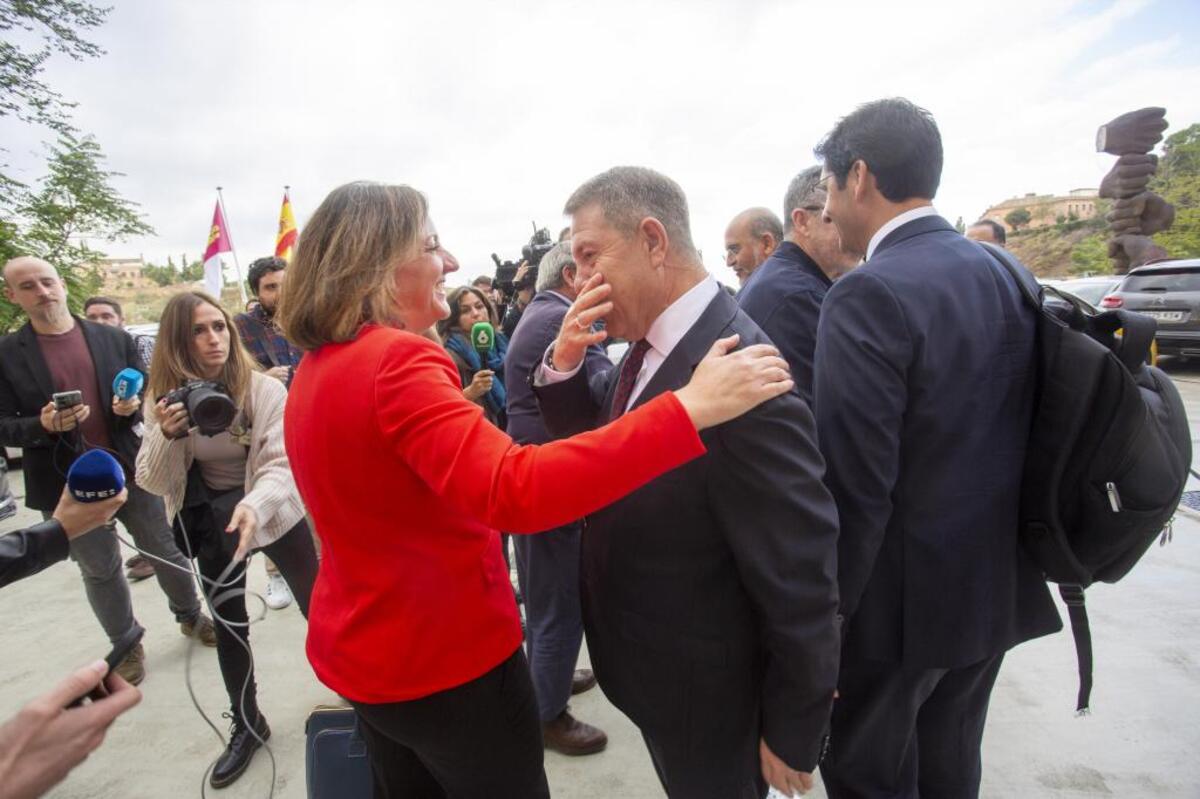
(532, 253)
(208, 404)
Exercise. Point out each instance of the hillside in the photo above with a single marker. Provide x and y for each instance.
(1067, 250)
(144, 305)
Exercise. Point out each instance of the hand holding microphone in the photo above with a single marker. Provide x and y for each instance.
(127, 387)
(95, 491)
(480, 384)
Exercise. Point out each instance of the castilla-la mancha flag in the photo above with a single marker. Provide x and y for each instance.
(285, 240)
(218, 242)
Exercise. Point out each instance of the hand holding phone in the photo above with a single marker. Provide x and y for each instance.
(114, 658)
(58, 420)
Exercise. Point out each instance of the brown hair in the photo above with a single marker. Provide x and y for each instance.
(343, 274)
(173, 363)
(448, 325)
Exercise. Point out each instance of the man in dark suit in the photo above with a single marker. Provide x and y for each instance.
(548, 563)
(784, 295)
(709, 597)
(56, 352)
(924, 391)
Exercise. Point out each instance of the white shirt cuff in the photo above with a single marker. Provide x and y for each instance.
(546, 375)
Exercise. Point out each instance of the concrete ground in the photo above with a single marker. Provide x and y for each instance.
(1138, 741)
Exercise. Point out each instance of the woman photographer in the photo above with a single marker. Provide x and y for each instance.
(229, 491)
(483, 383)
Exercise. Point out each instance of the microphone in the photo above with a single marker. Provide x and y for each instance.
(95, 476)
(483, 338)
(128, 383)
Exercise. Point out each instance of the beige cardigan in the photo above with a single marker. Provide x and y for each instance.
(163, 463)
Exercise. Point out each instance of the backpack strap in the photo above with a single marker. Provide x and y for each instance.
(1082, 632)
(1137, 334)
(1019, 273)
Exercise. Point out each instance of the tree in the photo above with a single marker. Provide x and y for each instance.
(1178, 181)
(1090, 256)
(1017, 217)
(959, 226)
(74, 202)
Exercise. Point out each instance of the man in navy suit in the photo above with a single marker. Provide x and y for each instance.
(784, 295)
(709, 596)
(924, 391)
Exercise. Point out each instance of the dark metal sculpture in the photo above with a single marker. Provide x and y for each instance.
(1137, 213)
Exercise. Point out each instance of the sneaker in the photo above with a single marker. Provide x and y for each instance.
(279, 596)
(201, 629)
(139, 567)
(242, 746)
(133, 668)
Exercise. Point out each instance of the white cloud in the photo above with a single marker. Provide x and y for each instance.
(497, 111)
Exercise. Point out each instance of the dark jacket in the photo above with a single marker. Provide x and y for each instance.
(924, 393)
(535, 333)
(28, 551)
(709, 595)
(26, 386)
(783, 297)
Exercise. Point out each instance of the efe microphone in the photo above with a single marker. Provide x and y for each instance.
(95, 476)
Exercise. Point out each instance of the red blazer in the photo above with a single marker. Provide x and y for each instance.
(408, 483)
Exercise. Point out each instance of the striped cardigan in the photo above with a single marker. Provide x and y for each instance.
(163, 463)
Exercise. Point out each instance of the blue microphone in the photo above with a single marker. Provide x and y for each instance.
(128, 383)
(95, 476)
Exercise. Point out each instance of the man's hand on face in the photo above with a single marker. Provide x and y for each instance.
(576, 334)
(126, 407)
(56, 421)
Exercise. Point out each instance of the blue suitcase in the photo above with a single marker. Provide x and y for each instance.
(335, 756)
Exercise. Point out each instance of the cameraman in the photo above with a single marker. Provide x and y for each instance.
(230, 492)
(523, 291)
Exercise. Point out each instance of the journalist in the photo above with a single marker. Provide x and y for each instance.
(413, 617)
(482, 376)
(229, 490)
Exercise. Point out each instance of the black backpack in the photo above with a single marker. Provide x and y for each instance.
(1109, 449)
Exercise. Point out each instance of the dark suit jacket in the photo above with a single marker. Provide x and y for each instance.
(924, 394)
(709, 595)
(26, 386)
(535, 333)
(783, 297)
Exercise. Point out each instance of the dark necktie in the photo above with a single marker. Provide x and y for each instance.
(629, 374)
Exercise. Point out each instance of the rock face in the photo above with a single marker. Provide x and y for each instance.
(1137, 213)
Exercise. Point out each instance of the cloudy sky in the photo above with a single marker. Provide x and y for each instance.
(498, 110)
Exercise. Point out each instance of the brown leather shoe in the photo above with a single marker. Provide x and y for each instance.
(133, 668)
(583, 680)
(140, 568)
(201, 629)
(570, 736)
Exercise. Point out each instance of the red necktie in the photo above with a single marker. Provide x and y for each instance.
(629, 374)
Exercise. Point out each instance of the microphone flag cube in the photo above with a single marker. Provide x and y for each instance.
(95, 476)
(128, 383)
(483, 337)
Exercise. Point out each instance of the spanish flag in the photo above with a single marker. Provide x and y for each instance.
(285, 240)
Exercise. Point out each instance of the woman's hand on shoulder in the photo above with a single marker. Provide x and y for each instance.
(727, 384)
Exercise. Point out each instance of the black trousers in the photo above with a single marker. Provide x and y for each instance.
(480, 740)
(908, 733)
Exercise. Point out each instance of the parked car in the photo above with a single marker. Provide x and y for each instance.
(1168, 291)
(1089, 289)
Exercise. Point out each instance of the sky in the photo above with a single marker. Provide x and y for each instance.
(497, 111)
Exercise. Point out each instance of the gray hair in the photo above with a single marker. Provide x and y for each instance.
(550, 271)
(803, 189)
(628, 194)
(762, 221)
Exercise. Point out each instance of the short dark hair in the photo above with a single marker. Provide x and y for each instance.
(261, 267)
(997, 229)
(98, 300)
(482, 280)
(898, 141)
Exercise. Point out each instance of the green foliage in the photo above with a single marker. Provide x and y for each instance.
(73, 203)
(1018, 217)
(1178, 181)
(960, 226)
(1090, 256)
(171, 275)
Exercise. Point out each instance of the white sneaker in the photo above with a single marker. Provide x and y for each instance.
(278, 594)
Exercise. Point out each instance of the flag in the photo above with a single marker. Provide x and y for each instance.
(218, 242)
(285, 240)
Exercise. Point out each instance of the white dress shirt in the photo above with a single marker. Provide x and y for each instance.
(895, 222)
(664, 335)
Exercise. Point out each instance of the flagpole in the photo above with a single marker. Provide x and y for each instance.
(232, 249)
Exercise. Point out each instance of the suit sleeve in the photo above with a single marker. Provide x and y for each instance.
(863, 350)
(27, 552)
(571, 406)
(792, 327)
(477, 469)
(781, 525)
(17, 430)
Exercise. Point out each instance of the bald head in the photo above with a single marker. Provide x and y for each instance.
(35, 285)
(750, 239)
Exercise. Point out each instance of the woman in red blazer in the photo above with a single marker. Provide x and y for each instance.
(412, 616)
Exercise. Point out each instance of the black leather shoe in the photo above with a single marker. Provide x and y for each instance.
(242, 745)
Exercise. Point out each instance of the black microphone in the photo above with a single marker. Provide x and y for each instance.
(95, 476)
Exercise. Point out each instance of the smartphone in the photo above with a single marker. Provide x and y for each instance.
(119, 652)
(65, 400)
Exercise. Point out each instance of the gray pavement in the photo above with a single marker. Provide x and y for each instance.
(1138, 741)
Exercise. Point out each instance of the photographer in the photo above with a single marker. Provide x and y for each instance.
(229, 491)
(523, 291)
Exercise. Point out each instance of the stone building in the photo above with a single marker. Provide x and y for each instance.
(123, 273)
(1047, 209)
